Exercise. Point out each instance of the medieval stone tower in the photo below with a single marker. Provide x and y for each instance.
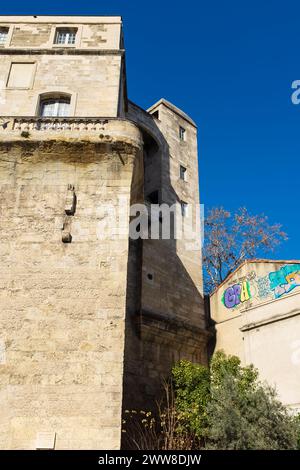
(90, 319)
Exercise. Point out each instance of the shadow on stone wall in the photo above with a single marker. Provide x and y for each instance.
(175, 325)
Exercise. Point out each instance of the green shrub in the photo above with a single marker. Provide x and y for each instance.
(223, 406)
(229, 408)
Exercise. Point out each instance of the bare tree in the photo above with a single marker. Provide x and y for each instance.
(230, 239)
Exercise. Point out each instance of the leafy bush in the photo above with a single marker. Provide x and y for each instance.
(224, 406)
(192, 391)
(229, 408)
(253, 419)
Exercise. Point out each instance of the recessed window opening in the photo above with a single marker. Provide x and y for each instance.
(65, 36)
(184, 208)
(182, 172)
(3, 35)
(55, 106)
(181, 133)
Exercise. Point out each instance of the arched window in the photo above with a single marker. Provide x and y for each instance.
(55, 106)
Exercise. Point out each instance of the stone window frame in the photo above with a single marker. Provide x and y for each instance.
(54, 93)
(9, 35)
(30, 87)
(65, 36)
(55, 27)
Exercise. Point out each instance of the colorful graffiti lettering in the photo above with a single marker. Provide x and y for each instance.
(236, 294)
(285, 279)
(271, 286)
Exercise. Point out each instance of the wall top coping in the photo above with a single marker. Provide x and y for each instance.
(37, 19)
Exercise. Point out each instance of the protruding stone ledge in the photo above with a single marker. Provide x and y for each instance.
(103, 130)
(60, 51)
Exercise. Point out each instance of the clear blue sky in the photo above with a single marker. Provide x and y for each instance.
(229, 65)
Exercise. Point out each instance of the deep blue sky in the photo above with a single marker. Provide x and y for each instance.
(229, 65)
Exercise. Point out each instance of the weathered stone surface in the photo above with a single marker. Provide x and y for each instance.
(90, 321)
(62, 304)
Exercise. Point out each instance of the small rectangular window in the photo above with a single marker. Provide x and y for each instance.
(156, 114)
(181, 133)
(65, 36)
(3, 36)
(182, 172)
(184, 208)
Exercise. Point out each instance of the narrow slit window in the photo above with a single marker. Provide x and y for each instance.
(181, 133)
(184, 208)
(182, 173)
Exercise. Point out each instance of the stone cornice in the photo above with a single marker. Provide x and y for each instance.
(61, 51)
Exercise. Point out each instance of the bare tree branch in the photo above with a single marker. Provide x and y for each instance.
(231, 239)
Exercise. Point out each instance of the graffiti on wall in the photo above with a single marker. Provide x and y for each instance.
(236, 294)
(285, 279)
(271, 286)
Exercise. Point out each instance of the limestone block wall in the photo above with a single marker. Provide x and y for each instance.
(167, 321)
(23, 35)
(182, 152)
(63, 304)
(175, 265)
(50, 74)
(90, 70)
(176, 287)
(80, 303)
(38, 31)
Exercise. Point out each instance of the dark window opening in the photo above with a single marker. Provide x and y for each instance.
(184, 207)
(181, 133)
(153, 197)
(182, 172)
